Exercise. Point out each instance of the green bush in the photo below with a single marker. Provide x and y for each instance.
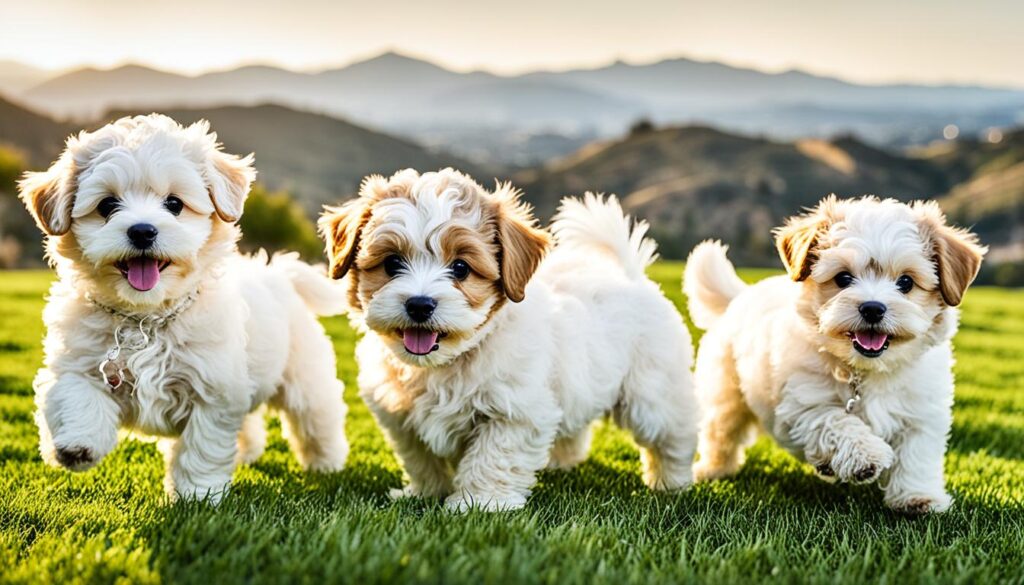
(20, 240)
(1006, 274)
(275, 222)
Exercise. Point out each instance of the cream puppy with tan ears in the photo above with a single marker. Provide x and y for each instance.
(156, 322)
(847, 362)
(485, 361)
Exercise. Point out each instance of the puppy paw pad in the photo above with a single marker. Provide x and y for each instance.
(825, 470)
(75, 458)
(866, 474)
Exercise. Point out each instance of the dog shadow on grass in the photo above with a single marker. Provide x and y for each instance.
(604, 489)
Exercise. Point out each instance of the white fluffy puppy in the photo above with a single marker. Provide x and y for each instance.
(477, 393)
(847, 362)
(156, 323)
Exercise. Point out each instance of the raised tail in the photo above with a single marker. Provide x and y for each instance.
(599, 221)
(710, 282)
(322, 295)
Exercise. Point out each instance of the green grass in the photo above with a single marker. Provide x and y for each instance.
(775, 521)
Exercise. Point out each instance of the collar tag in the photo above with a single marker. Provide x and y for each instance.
(134, 338)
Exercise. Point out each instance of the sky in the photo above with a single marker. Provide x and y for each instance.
(873, 41)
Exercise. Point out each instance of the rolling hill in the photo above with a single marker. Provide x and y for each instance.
(690, 182)
(990, 190)
(38, 137)
(693, 183)
(317, 158)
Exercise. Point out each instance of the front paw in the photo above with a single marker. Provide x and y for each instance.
(76, 454)
(463, 502)
(404, 493)
(919, 505)
(76, 457)
(862, 459)
(193, 493)
(704, 470)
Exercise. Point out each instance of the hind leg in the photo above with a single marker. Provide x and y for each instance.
(727, 427)
(252, 440)
(312, 405)
(659, 408)
(568, 452)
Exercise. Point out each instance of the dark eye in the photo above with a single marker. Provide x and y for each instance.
(844, 279)
(460, 270)
(905, 284)
(174, 205)
(108, 206)
(393, 264)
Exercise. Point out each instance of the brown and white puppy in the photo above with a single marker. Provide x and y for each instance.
(847, 362)
(482, 362)
(156, 322)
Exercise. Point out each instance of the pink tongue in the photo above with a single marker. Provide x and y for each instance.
(419, 341)
(870, 340)
(143, 273)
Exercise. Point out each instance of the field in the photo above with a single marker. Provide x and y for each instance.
(597, 523)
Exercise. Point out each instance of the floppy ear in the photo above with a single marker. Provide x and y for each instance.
(341, 228)
(228, 179)
(957, 252)
(522, 243)
(797, 240)
(50, 195)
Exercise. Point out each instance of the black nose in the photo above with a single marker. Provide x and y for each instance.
(420, 308)
(142, 235)
(872, 311)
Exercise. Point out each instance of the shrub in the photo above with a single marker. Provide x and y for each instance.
(274, 221)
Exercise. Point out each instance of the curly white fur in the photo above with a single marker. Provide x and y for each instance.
(250, 337)
(778, 354)
(519, 386)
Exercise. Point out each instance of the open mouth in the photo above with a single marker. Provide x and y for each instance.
(142, 272)
(421, 341)
(869, 343)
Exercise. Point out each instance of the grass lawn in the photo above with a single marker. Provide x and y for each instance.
(597, 523)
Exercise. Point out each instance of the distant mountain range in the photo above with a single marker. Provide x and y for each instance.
(487, 117)
(318, 159)
(690, 183)
(16, 77)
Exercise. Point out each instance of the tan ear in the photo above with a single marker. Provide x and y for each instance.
(50, 195)
(798, 239)
(957, 253)
(523, 244)
(341, 228)
(228, 179)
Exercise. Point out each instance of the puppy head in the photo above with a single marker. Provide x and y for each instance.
(430, 258)
(139, 209)
(878, 276)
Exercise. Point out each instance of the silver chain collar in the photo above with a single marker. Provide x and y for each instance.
(147, 326)
(855, 382)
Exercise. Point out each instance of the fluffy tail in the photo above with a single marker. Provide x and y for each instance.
(598, 221)
(710, 283)
(324, 296)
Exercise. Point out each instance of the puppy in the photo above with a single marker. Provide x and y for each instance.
(484, 363)
(156, 323)
(847, 361)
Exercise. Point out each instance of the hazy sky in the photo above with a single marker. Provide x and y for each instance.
(960, 41)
